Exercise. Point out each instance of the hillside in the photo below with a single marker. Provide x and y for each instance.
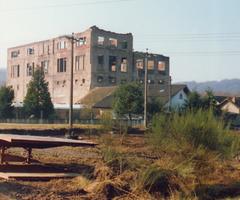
(228, 86)
(2, 76)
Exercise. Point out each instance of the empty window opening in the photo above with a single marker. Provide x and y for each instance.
(79, 62)
(161, 66)
(151, 81)
(15, 54)
(44, 66)
(62, 45)
(112, 63)
(113, 42)
(101, 40)
(112, 80)
(150, 64)
(124, 65)
(30, 69)
(161, 81)
(99, 79)
(15, 71)
(81, 41)
(30, 51)
(139, 64)
(124, 44)
(61, 65)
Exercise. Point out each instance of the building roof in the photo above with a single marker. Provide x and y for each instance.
(102, 97)
(97, 95)
(233, 100)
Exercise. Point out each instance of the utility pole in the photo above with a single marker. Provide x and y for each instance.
(145, 89)
(70, 122)
(169, 94)
(71, 88)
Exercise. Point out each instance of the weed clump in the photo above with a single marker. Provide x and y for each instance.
(198, 129)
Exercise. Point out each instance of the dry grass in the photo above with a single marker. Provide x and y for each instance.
(100, 180)
(9, 126)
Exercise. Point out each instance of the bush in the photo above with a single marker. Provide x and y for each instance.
(199, 129)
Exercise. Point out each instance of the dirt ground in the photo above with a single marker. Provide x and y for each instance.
(96, 180)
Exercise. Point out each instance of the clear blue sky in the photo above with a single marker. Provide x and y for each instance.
(202, 37)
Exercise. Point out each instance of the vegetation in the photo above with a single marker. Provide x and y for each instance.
(128, 100)
(198, 129)
(6, 100)
(37, 102)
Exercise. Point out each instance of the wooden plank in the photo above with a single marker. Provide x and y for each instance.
(11, 140)
(15, 175)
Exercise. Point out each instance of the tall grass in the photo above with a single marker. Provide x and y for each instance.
(198, 129)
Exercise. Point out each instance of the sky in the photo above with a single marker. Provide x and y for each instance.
(202, 38)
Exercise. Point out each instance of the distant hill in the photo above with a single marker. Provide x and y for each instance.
(227, 87)
(3, 75)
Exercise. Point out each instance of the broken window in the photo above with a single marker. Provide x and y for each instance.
(124, 65)
(112, 79)
(124, 44)
(79, 62)
(30, 51)
(150, 64)
(61, 64)
(15, 54)
(30, 69)
(151, 81)
(62, 45)
(112, 63)
(99, 79)
(161, 81)
(101, 61)
(44, 66)
(113, 42)
(100, 40)
(15, 71)
(139, 64)
(81, 41)
(161, 66)
(123, 81)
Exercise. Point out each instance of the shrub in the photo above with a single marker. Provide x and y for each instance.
(199, 129)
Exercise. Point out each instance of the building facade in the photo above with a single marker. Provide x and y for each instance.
(101, 59)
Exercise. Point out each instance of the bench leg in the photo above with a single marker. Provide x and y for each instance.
(2, 154)
(29, 155)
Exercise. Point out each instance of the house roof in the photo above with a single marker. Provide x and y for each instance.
(220, 99)
(233, 100)
(163, 95)
(98, 95)
(102, 97)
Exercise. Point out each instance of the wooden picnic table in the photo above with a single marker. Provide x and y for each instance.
(28, 142)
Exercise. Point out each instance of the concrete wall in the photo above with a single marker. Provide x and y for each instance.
(87, 78)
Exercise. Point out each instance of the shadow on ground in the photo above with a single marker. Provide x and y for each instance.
(219, 191)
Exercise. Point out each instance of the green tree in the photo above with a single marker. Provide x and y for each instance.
(38, 100)
(194, 101)
(154, 106)
(6, 98)
(128, 100)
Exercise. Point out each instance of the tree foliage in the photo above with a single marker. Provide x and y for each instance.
(154, 106)
(38, 102)
(128, 100)
(196, 101)
(6, 98)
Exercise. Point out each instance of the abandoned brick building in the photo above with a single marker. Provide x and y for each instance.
(101, 59)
